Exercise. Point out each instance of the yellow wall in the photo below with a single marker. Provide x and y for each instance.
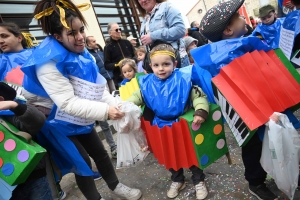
(93, 28)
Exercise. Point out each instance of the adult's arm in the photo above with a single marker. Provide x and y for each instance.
(61, 92)
(176, 29)
(108, 64)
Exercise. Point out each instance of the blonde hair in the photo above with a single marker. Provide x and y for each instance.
(130, 62)
(140, 49)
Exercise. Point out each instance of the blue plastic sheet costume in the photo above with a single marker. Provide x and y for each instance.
(167, 98)
(10, 61)
(55, 132)
(212, 57)
(269, 33)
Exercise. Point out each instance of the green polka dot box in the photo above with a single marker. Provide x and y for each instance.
(18, 157)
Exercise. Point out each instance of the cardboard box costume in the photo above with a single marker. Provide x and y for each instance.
(18, 156)
(182, 144)
(248, 99)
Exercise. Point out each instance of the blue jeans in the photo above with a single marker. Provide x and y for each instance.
(37, 189)
(108, 134)
(185, 61)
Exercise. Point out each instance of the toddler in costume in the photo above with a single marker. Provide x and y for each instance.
(128, 69)
(157, 89)
(140, 54)
(269, 28)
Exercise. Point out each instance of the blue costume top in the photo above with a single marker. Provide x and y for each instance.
(55, 132)
(167, 98)
(212, 57)
(125, 80)
(10, 62)
(270, 33)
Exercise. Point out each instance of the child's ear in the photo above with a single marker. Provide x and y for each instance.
(57, 37)
(175, 64)
(228, 31)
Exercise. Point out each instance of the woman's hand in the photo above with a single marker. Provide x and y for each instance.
(6, 105)
(198, 120)
(114, 113)
(146, 39)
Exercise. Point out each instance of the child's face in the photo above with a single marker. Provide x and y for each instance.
(127, 71)
(269, 19)
(162, 66)
(192, 46)
(237, 27)
(140, 55)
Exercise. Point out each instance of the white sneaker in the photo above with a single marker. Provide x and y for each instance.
(201, 190)
(127, 193)
(175, 188)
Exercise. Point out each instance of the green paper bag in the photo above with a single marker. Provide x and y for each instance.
(18, 154)
(209, 139)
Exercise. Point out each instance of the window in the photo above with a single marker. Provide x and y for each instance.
(20, 12)
(122, 12)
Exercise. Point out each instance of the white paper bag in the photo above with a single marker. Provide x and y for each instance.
(280, 154)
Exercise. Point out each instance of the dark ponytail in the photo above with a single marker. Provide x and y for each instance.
(51, 24)
(15, 30)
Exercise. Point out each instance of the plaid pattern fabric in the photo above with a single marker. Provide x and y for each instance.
(217, 18)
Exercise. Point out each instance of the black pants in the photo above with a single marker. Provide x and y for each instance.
(251, 153)
(197, 177)
(91, 145)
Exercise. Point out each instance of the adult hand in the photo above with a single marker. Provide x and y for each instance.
(198, 120)
(5, 105)
(146, 39)
(114, 113)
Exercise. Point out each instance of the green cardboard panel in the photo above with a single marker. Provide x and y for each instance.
(209, 139)
(17, 158)
(288, 64)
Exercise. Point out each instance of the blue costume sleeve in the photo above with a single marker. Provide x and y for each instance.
(270, 33)
(212, 57)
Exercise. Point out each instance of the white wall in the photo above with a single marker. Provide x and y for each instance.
(93, 28)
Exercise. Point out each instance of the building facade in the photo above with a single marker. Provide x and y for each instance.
(252, 6)
(98, 16)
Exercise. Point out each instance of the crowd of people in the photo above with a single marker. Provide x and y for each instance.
(68, 54)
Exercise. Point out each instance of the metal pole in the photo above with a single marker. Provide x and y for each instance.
(204, 6)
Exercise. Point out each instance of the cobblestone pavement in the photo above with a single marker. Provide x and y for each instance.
(223, 181)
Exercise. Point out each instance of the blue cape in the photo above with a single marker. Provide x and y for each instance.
(212, 57)
(270, 33)
(167, 98)
(55, 132)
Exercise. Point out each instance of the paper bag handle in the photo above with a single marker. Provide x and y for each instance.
(24, 135)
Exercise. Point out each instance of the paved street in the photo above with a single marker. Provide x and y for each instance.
(223, 181)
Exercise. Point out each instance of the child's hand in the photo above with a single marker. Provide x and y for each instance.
(6, 105)
(275, 118)
(198, 120)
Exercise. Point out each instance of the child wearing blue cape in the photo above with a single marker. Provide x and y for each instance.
(169, 92)
(223, 26)
(269, 28)
(63, 71)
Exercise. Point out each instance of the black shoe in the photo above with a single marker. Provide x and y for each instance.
(261, 192)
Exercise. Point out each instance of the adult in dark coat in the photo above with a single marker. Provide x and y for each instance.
(115, 51)
(194, 33)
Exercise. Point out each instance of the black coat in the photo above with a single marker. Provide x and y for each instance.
(197, 35)
(99, 56)
(115, 51)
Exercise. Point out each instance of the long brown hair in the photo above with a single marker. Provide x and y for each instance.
(141, 10)
(52, 24)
